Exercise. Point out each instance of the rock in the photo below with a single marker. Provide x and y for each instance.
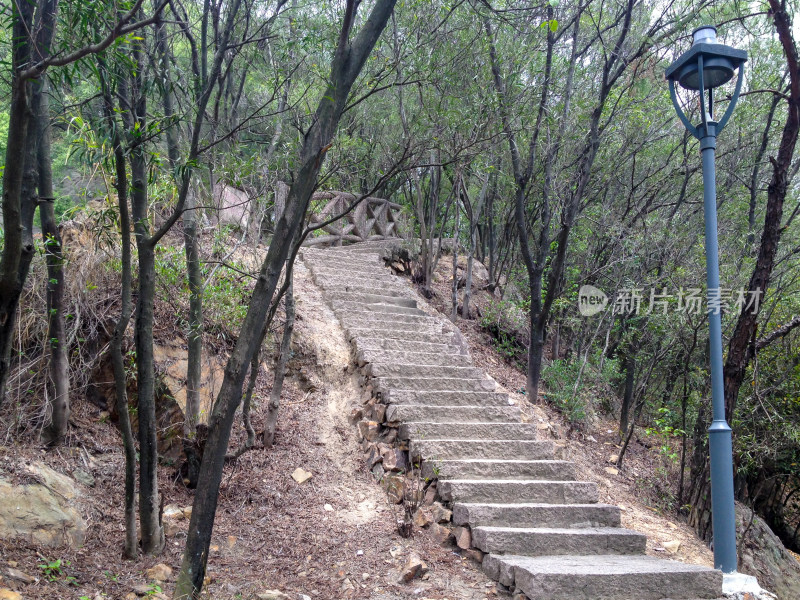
(422, 518)
(142, 589)
(413, 569)
(765, 557)
(474, 554)
(171, 528)
(173, 511)
(373, 457)
(394, 460)
(83, 477)
(395, 487)
(612, 471)
(159, 573)
(439, 534)
(369, 430)
(7, 594)
(356, 415)
(271, 595)
(591, 438)
(463, 537)
(430, 495)
(395, 551)
(613, 459)
(440, 513)
(16, 575)
(672, 546)
(377, 472)
(379, 413)
(43, 512)
(328, 508)
(300, 475)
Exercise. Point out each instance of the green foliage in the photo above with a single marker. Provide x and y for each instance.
(559, 378)
(664, 427)
(55, 570)
(507, 324)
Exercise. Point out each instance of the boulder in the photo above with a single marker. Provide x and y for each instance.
(42, 511)
(765, 557)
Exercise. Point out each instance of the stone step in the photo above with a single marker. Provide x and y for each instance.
(344, 267)
(466, 431)
(533, 514)
(370, 268)
(609, 577)
(459, 449)
(518, 491)
(422, 370)
(371, 317)
(356, 284)
(435, 384)
(547, 541)
(393, 291)
(449, 398)
(406, 333)
(479, 468)
(406, 413)
(325, 256)
(357, 307)
(414, 358)
(372, 344)
(365, 298)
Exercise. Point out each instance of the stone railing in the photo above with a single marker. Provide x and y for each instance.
(372, 219)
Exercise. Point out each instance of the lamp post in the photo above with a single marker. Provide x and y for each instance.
(708, 65)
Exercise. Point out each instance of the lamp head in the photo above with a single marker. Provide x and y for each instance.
(719, 61)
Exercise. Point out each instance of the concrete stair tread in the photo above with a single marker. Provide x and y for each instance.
(455, 400)
(489, 413)
(502, 430)
(536, 514)
(514, 491)
(561, 530)
(604, 577)
(538, 541)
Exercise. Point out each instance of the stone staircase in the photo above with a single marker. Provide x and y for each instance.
(545, 534)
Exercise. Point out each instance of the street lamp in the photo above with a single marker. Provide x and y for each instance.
(705, 66)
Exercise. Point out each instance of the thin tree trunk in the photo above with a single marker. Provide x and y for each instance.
(118, 336)
(58, 373)
(348, 61)
(280, 368)
(454, 296)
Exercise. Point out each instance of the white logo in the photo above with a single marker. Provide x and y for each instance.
(591, 300)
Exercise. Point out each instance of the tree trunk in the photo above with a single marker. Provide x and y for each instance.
(348, 60)
(454, 296)
(280, 368)
(17, 248)
(58, 372)
(126, 309)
